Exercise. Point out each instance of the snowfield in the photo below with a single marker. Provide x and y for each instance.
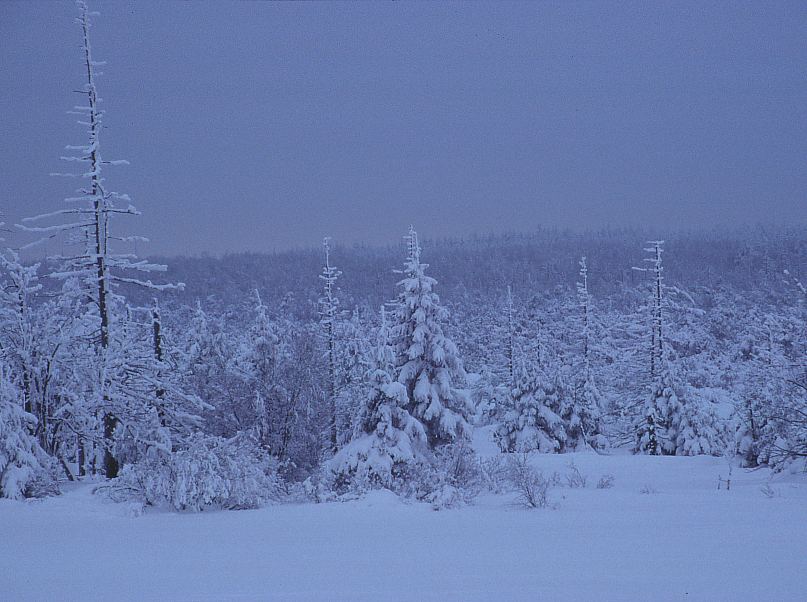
(684, 540)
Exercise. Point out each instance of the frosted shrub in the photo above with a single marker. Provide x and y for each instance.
(453, 479)
(211, 472)
(574, 478)
(448, 478)
(768, 491)
(530, 485)
(606, 481)
(494, 474)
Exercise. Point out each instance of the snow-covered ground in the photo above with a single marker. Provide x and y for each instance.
(685, 540)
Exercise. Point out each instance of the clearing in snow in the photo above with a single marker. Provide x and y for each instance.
(664, 531)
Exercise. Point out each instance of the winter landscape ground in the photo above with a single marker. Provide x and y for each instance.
(683, 540)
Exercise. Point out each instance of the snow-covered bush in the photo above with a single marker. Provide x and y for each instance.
(699, 431)
(211, 472)
(452, 479)
(574, 478)
(494, 474)
(606, 481)
(450, 476)
(531, 487)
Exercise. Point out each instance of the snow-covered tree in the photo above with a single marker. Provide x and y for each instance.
(674, 421)
(666, 411)
(657, 305)
(427, 361)
(19, 285)
(699, 431)
(533, 422)
(329, 307)
(771, 411)
(96, 265)
(25, 469)
(581, 412)
(155, 413)
(657, 431)
(355, 362)
(260, 361)
(205, 363)
(760, 383)
(511, 339)
(387, 441)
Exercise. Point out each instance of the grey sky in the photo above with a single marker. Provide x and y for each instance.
(256, 126)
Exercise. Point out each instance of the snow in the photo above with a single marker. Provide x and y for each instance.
(685, 541)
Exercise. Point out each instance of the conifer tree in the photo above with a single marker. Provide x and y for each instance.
(534, 422)
(387, 439)
(582, 410)
(329, 307)
(428, 362)
(655, 432)
(674, 421)
(355, 362)
(259, 362)
(511, 339)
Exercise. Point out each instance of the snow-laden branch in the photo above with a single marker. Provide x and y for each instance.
(148, 283)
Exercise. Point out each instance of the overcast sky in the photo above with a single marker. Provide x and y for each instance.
(256, 126)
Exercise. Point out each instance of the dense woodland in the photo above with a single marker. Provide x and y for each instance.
(235, 381)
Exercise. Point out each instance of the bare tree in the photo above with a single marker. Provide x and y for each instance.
(98, 267)
(657, 321)
(511, 339)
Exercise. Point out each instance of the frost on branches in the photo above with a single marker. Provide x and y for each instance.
(210, 473)
(427, 361)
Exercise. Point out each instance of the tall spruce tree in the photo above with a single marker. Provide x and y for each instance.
(674, 421)
(583, 409)
(329, 308)
(427, 361)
